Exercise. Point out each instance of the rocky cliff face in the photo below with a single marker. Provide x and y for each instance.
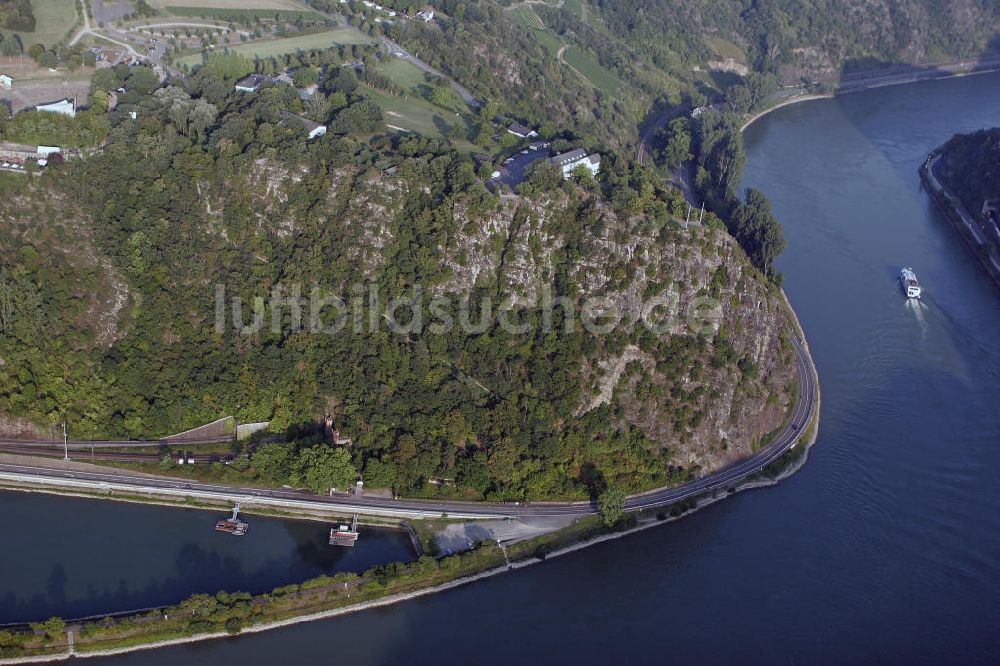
(705, 388)
(667, 336)
(970, 168)
(705, 385)
(716, 376)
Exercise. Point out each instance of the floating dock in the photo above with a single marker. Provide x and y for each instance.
(344, 535)
(232, 525)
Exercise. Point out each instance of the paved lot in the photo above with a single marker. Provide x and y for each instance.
(515, 172)
(458, 537)
(106, 11)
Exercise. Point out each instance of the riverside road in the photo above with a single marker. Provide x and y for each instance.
(802, 414)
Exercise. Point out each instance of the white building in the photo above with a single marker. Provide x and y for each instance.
(313, 128)
(426, 14)
(522, 132)
(251, 83)
(6, 82)
(64, 106)
(574, 159)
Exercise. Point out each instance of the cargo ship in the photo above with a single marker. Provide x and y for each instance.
(232, 525)
(909, 281)
(344, 535)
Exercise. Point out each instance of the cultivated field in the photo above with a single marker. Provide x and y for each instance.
(593, 71)
(528, 17)
(53, 19)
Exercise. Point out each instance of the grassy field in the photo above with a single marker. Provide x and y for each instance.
(415, 82)
(53, 19)
(235, 13)
(549, 40)
(229, 4)
(726, 49)
(594, 72)
(416, 115)
(404, 73)
(575, 7)
(273, 47)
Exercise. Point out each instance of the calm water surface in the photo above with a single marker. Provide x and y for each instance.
(886, 546)
(74, 558)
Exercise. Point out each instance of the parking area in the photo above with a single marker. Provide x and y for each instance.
(514, 170)
(106, 11)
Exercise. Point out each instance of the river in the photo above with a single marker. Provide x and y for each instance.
(885, 546)
(80, 557)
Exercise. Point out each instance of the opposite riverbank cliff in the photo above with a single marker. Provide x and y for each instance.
(963, 179)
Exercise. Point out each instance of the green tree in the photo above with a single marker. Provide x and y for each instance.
(142, 80)
(756, 229)
(678, 142)
(611, 504)
(443, 96)
(273, 462)
(305, 76)
(54, 627)
(322, 467)
(379, 473)
(364, 116)
(11, 46)
(48, 59)
(722, 156)
(200, 606)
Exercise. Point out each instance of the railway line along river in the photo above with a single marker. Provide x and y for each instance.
(886, 545)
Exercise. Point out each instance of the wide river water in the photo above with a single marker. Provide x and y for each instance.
(885, 546)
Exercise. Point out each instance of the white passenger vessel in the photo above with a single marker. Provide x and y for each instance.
(909, 281)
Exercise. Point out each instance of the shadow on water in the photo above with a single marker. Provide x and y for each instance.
(111, 570)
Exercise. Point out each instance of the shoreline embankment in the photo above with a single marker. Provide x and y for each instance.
(972, 235)
(877, 81)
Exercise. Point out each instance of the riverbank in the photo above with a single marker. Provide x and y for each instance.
(483, 562)
(323, 516)
(877, 81)
(238, 612)
(327, 597)
(955, 212)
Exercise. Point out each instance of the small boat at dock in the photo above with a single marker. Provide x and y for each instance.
(233, 525)
(344, 535)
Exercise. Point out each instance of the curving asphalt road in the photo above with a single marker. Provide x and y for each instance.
(398, 51)
(802, 413)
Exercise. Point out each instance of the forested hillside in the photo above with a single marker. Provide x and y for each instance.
(112, 268)
(598, 66)
(970, 168)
